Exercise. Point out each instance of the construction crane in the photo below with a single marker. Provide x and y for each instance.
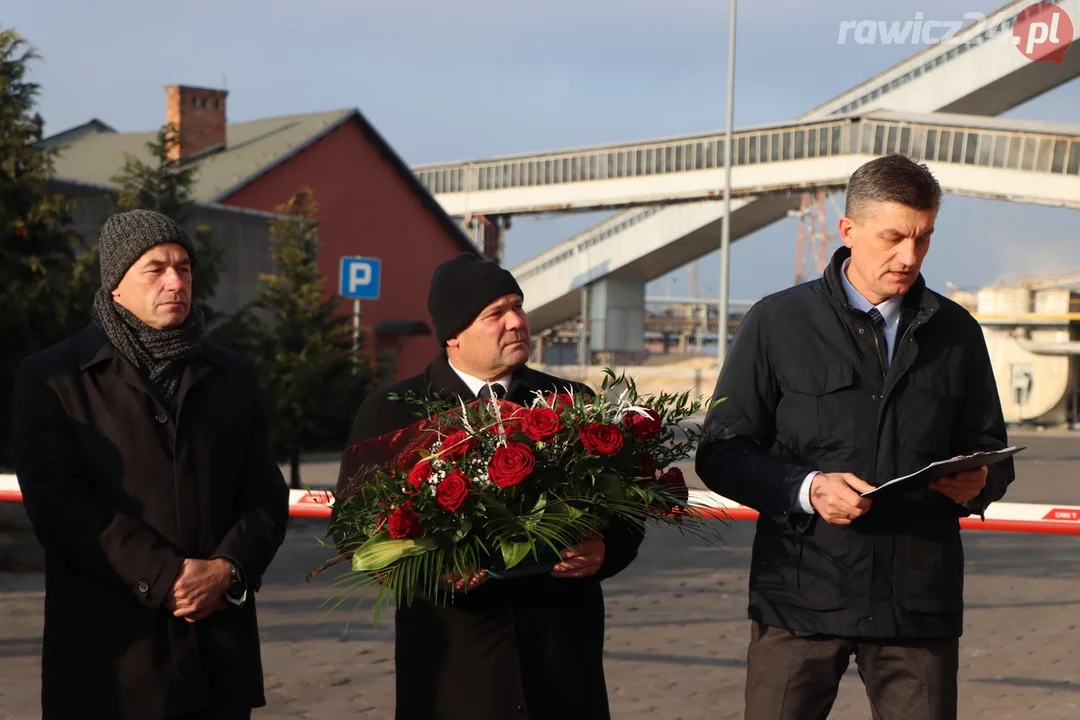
(813, 240)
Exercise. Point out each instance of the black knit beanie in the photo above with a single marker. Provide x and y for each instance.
(461, 288)
(126, 236)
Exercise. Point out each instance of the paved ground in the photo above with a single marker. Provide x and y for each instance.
(676, 626)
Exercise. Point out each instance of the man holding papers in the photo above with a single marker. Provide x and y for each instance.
(833, 388)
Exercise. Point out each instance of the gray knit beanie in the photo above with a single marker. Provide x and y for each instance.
(126, 236)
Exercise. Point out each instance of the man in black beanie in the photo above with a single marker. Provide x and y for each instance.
(529, 647)
(143, 458)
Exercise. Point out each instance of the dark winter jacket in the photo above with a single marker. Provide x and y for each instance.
(807, 387)
(120, 491)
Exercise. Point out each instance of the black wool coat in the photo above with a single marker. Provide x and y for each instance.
(120, 492)
(808, 387)
(529, 648)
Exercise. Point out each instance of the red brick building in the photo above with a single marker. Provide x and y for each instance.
(369, 201)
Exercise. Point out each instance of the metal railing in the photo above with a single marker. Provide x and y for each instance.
(582, 241)
(982, 146)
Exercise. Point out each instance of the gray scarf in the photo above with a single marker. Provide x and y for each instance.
(159, 354)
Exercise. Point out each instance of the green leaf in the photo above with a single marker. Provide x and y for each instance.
(565, 512)
(463, 531)
(382, 550)
(610, 485)
(541, 502)
(514, 552)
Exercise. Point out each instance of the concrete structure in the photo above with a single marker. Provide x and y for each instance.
(1033, 336)
(369, 202)
(1014, 160)
(979, 71)
(779, 158)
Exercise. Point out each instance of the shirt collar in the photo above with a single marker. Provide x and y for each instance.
(476, 384)
(889, 308)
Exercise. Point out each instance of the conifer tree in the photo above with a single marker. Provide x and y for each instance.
(303, 346)
(45, 284)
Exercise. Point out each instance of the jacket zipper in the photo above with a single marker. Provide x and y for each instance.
(881, 363)
(885, 376)
(881, 397)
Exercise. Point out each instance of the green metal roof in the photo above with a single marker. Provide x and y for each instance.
(251, 148)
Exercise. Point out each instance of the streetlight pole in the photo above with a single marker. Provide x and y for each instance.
(725, 237)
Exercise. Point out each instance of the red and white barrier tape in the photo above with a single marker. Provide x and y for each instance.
(1000, 517)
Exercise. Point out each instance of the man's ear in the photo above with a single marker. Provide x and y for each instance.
(452, 342)
(847, 231)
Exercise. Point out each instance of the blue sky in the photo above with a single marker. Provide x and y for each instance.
(473, 78)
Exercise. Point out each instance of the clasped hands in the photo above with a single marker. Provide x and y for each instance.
(580, 561)
(199, 590)
(837, 496)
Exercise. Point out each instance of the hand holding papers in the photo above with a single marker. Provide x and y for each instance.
(942, 468)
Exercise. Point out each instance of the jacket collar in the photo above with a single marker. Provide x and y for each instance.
(92, 349)
(442, 379)
(92, 346)
(918, 300)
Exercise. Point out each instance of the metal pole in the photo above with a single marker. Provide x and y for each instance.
(725, 237)
(356, 326)
(583, 336)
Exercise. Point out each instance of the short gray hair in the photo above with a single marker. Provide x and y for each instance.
(892, 178)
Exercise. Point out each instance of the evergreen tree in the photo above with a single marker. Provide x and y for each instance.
(45, 285)
(166, 187)
(303, 347)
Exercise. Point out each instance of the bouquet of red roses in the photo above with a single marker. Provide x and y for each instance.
(503, 487)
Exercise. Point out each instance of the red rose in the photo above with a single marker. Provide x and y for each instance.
(404, 522)
(541, 424)
(641, 426)
(451, 491)
(646, 468)
(510, 464)
(601, 438)
(458, 444)
(559, 401)
(673, 482)
(420, 474)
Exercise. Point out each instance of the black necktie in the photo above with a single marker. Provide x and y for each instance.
(876, 317)
(494, 388)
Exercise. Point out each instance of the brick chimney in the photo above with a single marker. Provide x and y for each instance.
(199, 116)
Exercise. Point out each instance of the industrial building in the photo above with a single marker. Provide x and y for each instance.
(1032, 329)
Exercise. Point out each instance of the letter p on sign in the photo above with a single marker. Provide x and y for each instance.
(361, 278)
(1043, 32)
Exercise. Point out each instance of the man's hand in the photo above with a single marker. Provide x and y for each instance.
(582, 560)
(962, 486)
(199, 589)
(454, 581)
(836, 498)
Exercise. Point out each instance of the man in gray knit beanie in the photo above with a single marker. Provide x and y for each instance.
(144, 458)
(144, 304)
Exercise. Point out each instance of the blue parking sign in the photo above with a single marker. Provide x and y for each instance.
(361, 278)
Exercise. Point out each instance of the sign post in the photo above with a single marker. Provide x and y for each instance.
(360, 279)
(355, 324)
